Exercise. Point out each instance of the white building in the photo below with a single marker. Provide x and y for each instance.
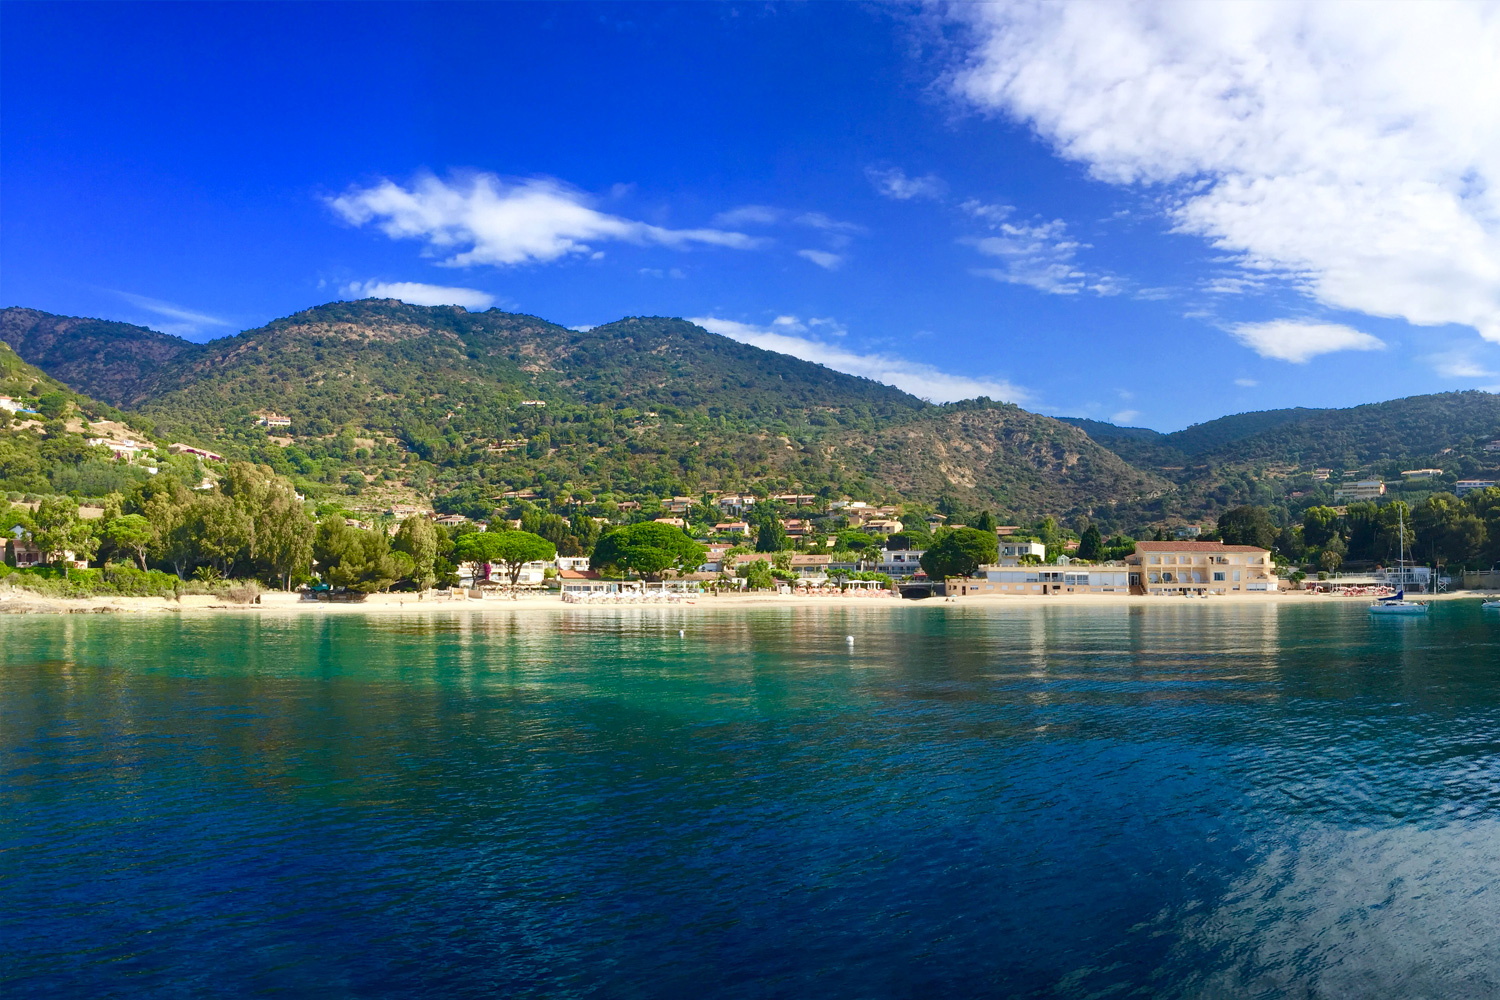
(1469, 485)
(1012, 552)
(1186, 531)
(1421, 473)
(735, 503)
(1111, 578)
(900, 562)
(1364, 489)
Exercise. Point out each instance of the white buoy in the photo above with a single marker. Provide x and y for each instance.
(681, 632)
(849, 639)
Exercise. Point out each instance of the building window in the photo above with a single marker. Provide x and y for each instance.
(1218, 578)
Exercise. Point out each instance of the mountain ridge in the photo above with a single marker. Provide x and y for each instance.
(446, 400)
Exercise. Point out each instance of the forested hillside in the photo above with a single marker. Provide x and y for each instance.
(447, 401)
(390, 400)
(114, 362)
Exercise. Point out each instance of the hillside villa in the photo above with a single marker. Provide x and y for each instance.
(1364, 489)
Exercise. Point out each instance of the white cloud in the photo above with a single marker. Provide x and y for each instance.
(1458, 364)
(1246, 383)
(893, 183)
(1357, 154)
(1039, 256)
(749, 215)
(184, 322)
(482, 219)
(914, 377)
(1124, 417)
(418, 294)
(994, 215)
(1296, 341)
(822, 258)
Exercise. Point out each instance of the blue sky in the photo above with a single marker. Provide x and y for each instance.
(1093, 210)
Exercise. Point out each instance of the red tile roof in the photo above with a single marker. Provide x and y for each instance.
(1194, 547)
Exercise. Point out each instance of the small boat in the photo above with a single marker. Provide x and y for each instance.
(1397, 604)
(1491, 605)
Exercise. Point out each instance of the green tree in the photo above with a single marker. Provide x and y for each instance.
(1319, 525)
(52, 405)
(1248, 525)
(984, 522)
(57, 530)
(960, 553)
(223, 530)
(771, 536)
(418, 538)
(757, 574)
(1091, 545)
(517, 548)
(649, 549)
(131, 533)
(354, 559)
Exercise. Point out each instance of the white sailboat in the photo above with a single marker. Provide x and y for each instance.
(1397, 604)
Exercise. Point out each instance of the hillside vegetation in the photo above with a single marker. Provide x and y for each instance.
(390, 400)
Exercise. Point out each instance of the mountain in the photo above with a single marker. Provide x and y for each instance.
(450, 401)
(104, 359)
(389, 399)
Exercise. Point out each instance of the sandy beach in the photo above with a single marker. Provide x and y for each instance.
(21, 602)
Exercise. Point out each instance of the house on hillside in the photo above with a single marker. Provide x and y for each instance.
(732, 528)
(678, 505)
(676, 522)
(1417, 474)
(1470, 485)
(1186, 531)
(1363, 489)
(187, 449)
(734, 503)
(268, 419)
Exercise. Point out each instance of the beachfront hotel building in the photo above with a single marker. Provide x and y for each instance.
(1168, 568)
(1108, 578)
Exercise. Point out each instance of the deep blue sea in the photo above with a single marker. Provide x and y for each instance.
(1175, 800)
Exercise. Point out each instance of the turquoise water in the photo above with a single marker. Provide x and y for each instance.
(1191, 800)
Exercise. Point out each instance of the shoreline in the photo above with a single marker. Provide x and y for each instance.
(280, 602)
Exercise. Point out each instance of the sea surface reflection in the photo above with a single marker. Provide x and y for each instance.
(1176, 800)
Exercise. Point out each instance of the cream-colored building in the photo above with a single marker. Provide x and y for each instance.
(1166, 568)
(1364, 489)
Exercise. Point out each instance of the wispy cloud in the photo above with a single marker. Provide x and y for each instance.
(1356, 156)
(1246, 383)
(483, 219)
(824, 259)
(894, 183)
(749, 215)
(1298, 342)
(1124, 417)
(786, 335)
(1459, 364)
(183, 322)
(1039, 256)
(419, 294)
